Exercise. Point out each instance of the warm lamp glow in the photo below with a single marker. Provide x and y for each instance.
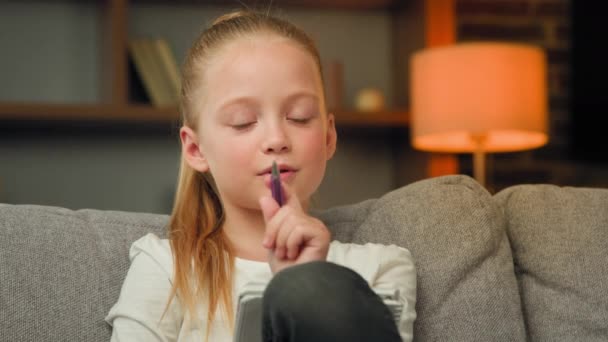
(497, 90)
(479, 97)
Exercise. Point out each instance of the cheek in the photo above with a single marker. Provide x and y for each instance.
(237, 152)
(314, 147)
(242, 161)
(231, 152)
(313, 155)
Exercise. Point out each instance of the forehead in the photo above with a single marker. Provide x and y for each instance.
(259, 48)
(263, 66)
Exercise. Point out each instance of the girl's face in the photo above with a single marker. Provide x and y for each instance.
(263, 102)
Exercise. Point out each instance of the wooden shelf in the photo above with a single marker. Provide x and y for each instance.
(63, 112)
(314, 4)
(146, 113)
(388, 118)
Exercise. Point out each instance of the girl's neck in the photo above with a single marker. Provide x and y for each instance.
(244, 229)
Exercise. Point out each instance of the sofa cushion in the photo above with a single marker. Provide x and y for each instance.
(62, 270)
(559, 238)
(467, 289)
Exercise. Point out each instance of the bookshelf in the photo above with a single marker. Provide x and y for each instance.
(115, 103)
(413, 25)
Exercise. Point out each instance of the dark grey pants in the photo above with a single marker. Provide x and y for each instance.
(322, 301)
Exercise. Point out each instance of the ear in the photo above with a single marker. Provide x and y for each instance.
(331, 137)
(191, 150)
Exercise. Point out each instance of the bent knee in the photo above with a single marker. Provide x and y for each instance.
(309, 282)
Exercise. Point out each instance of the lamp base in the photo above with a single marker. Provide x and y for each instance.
(479, 158)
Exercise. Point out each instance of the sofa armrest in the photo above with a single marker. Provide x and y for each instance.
(559, 237)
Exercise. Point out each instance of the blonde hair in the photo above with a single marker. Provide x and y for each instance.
(203, 258)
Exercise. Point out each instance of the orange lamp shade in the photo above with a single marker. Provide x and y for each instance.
(494, 90)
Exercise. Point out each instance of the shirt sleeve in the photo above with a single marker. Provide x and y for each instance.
(143, 298)
(397, 270)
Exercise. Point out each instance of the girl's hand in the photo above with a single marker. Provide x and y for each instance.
(292, 236)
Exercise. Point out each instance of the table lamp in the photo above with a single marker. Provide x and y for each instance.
(477, 98)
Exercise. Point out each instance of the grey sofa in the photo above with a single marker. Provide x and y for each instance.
(529, 263)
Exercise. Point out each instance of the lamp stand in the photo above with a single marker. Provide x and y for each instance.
(479, 158)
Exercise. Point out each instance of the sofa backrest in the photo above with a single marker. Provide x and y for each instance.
(467, 289)
(559, 237)
(62, 270)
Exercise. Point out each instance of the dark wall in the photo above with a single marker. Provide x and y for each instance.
(589, 103)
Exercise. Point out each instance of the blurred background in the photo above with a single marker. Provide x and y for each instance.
(77, 129)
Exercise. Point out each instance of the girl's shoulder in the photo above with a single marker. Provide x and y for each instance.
(155, 248)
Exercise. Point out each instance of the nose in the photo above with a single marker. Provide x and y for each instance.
(276, 139)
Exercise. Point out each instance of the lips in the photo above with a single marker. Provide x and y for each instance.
(283, 168)
(286, 177)
(286, 172)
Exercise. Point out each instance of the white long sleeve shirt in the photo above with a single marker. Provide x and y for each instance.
(145, 291)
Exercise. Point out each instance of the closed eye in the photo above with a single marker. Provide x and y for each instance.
(300, 121)
(243, 126)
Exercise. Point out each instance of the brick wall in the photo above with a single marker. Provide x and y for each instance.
(544, 23)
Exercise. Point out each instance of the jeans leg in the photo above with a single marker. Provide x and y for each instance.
(322, 301)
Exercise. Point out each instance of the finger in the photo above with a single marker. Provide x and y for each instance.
(269, 209)
(268, 206)
(274, 225)
(296, 239)
(284, 229)
(291, 198)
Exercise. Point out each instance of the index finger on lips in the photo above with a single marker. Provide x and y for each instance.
(291, 198)
(269, 207)
(273, 225)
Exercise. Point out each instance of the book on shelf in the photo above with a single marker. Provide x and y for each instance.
(156, 66)
(169, 66)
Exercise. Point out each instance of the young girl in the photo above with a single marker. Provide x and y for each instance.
(252, 94)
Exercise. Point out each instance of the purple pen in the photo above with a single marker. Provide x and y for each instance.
(275, 184)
